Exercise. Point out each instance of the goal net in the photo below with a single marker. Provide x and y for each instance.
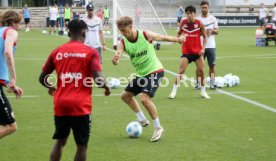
(142, 11)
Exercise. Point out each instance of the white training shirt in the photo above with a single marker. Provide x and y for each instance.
(262, 13)
(53, 11)
(92, 36)
(209, 22)
(274, 12)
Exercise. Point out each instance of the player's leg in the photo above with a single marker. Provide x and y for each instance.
(7, 119)
(128, 96)
(99, 49)
(200, 70)
(184, 62)
(81, 126)
(150, 86)
(211, 57)
(62, 125)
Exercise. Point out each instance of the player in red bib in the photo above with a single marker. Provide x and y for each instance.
(192, 50)
(75, 65)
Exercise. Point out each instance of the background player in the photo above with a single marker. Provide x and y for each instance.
(212, 29)
(192, 50)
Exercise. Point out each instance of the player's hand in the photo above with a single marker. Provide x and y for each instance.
(104, 47)
(107, 91)
(182, 39)
(18, 92)
(52, 91)
(209, 32)
(115, 59)
(202, 51)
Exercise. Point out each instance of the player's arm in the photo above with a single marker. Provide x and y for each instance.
(45, 78)
(100, 81)
(11, 38)
(118, 54)
(158, 37)
(102, 40)
(204, 34)
(215, 30)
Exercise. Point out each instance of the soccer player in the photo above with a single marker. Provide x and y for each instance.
(149, 70)
(106, 17)
(180, 11)
(75, 65)
(27, 17)
(67, 15)
(10, 23)
(212, 29)
(273, 17)
(263, 13)
(192, 50)
(94, 34)
(53, 13)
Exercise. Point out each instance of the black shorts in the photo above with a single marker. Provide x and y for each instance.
(148, 84)
(5, 109)
(27, 20)
(80, 125)
(210, 53)
(262, 22)
(191, 57)
(179, 19)
(67, 20)
(52, 23)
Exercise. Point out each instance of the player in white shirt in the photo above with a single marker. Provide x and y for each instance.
(94, 35)
(273, 18)
(53, 12)
(212, 29)
(263, 13)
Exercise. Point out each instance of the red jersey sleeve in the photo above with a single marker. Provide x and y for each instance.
(95, 61)
(49, 66)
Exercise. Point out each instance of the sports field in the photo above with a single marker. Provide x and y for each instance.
(237, 124)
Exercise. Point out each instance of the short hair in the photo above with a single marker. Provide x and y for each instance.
(10, 17)
(124, 21)
(77, 26)
(204, 2)
(274, 4)
(190, 9)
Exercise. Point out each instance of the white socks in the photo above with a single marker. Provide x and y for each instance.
(140, 115)
(156, 123)
(175, 88)
(203, 89)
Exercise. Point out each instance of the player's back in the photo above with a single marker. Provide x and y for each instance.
(192, 45)
(74, 63)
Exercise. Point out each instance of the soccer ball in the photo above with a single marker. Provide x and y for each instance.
(228, 80)
(236, 80)
(44, 31)
(134, 129)
(219, 82)
(208, 81)
(114, 83)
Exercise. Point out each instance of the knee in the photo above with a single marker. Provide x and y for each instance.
(200, 71)
(125, 96)
(62, 142)
(145, 98)
(12, 128)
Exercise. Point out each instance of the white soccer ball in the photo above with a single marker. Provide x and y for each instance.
(114, 83)
(236, 79)
(228, 80)
(108, 32)
(134, 129)
(44, 31)
(65, 33)
(219, 82)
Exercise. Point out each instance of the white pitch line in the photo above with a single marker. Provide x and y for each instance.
(27, 96)
(224, 92)
(217, 92)
(265, 57)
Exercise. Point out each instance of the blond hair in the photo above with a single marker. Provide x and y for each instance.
(124, 21)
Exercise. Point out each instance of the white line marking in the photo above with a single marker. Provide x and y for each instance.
(27, 96)
(224, 92)
(265, 57)
(102, 95)
(217, 92)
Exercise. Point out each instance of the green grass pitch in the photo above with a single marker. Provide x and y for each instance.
(221, 129)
